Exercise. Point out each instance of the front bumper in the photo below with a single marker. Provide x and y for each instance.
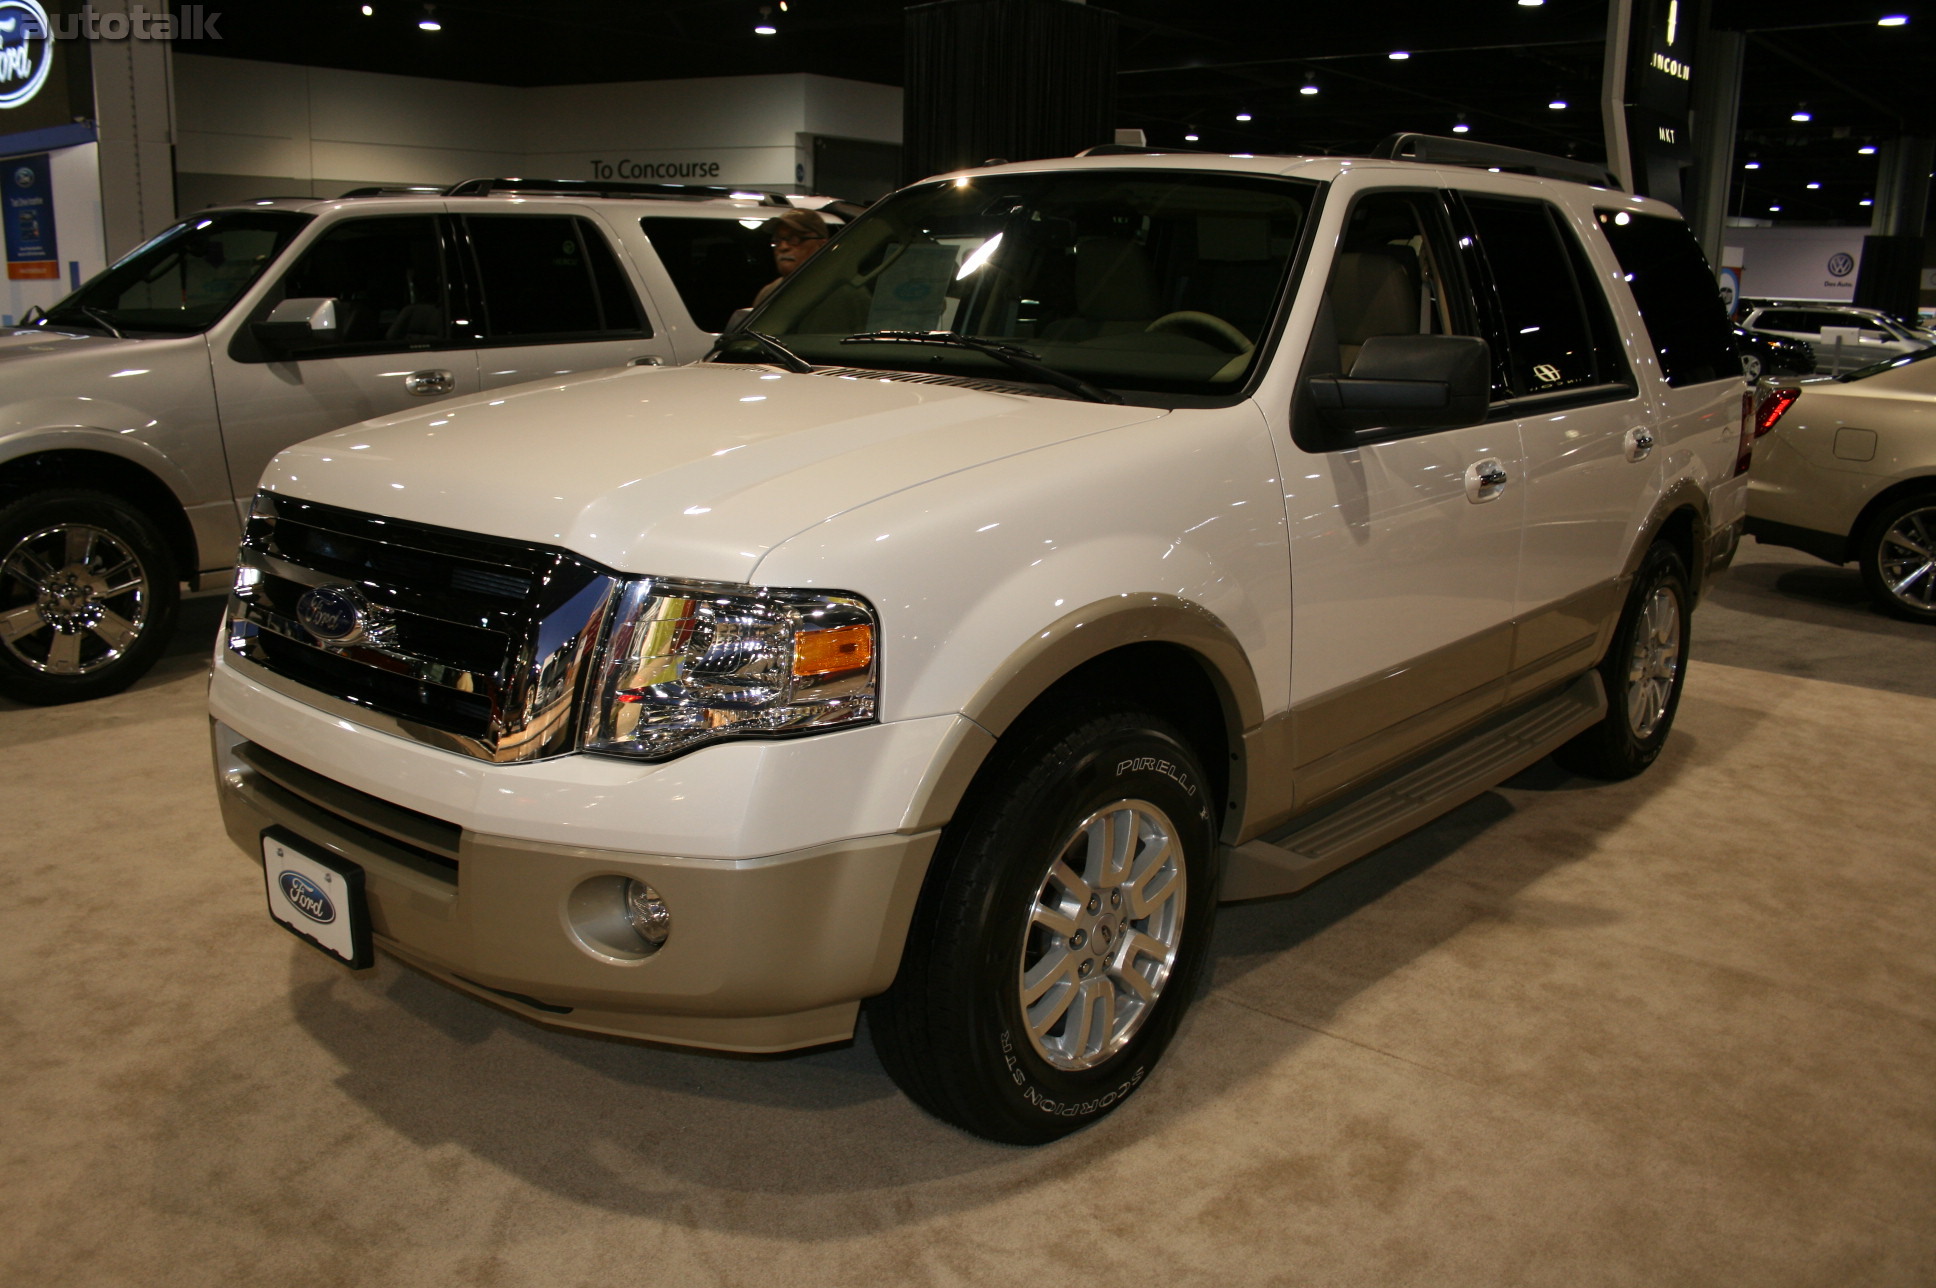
(766, 954)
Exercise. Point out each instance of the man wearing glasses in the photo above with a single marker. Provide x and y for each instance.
(796, 236)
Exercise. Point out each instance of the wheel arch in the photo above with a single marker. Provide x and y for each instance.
(1925, 483)
(96, 471)
(1170, 657)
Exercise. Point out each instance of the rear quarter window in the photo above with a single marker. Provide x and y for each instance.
(1678, 297)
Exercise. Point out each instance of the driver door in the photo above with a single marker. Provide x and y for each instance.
(397, 349)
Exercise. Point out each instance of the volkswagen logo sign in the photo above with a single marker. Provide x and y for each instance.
(306, 897)
(1841, 265)
(334, 614)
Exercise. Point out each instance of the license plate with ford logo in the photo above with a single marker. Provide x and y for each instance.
(318, 898)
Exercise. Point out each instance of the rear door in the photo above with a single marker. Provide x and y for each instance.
(1591, 472)
(549, 298)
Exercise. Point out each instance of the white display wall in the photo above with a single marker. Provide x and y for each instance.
(248, 129)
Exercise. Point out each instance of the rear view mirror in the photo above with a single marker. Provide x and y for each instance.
(1408, 382)
(295, 326)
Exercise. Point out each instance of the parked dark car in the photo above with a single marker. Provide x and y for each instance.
(1773, 355)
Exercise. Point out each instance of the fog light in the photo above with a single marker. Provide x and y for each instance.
(647, 914)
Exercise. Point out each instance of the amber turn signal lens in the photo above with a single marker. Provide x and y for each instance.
(840, 648)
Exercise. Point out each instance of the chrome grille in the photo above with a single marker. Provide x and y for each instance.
(475, 644)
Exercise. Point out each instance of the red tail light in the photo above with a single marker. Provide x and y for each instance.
(1744, 454)
(1773, 408)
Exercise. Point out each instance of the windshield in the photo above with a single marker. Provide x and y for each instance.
(183, 280)
(1156, 282)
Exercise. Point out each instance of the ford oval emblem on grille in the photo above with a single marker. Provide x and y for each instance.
(306, 897)
(333, 614)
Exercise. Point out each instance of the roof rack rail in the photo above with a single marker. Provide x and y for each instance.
(1433, 148)
(603, 188)
(396, 190)
(1131, 150)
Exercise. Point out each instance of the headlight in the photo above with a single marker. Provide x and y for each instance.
(687, 664)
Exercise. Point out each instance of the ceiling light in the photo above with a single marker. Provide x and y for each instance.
(1893, 20)
(1398, 55)
(1308, 88)
(1558, 105)
(1191, 138)
(369, 11)
(766, 29)
(1868, 151)
(429, 21)
(1801, 114)
(1774, 209)
(1813, 186)
(1865, 202)
(1459, 126)
(1752, 165)
(1531, 4)
(1243, 116)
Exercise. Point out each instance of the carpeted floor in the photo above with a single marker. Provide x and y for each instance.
(1678, 1031)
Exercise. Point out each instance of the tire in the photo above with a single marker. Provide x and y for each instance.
(1897, 554)
(1643, 671)
(1035, 994)
(88, 593)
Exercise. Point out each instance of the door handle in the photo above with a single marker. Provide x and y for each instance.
(1485, 480)
(429, 384)
(648, 360)
(1640, 441)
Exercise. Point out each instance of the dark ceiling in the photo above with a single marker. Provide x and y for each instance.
(1192, 67)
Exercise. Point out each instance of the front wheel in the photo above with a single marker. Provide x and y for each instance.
(1061, 932)
(88, 592)
(1643, 672)
(1897, 552)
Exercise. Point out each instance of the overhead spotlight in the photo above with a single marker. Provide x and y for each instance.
(1309, 88)
(429, 21)
(1558, 105)
(369, 11)
(1814, 186)
(1867, 151)
(1752, 165)
(1865, 202)
(1243, 116)
(1774, 210)
(1398, 55)
(1893, 20)
(1531, 4)
(765, 25)
(1191, 138)
(1801, 114)
(1459, 126)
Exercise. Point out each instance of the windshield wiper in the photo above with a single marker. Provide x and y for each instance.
(93, 315)
(1014, 355)
(774, 349)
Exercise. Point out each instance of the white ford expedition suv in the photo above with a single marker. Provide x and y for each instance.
(1069, 546)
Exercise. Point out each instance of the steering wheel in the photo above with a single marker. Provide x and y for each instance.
(1206, 326)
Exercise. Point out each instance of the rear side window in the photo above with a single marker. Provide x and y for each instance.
(547, 276)
(719, 265)
(1783, 320)
(1678, 298)
(1556, 332)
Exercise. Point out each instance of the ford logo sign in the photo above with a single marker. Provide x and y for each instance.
(26, 51)
(306, 897)
(333, 614)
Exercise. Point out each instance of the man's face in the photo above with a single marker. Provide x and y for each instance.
(791, 247)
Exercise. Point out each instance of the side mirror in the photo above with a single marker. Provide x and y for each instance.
(296, 326)
(1408, 382)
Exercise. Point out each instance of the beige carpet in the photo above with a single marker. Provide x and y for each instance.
(1676, 1031)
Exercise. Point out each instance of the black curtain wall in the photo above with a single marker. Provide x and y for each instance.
(1014, 79)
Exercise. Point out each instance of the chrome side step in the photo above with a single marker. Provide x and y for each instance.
(1305, 850)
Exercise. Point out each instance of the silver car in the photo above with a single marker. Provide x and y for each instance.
(136, 412)
(1844, 337)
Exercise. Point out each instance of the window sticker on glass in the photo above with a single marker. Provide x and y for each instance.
(912, 292)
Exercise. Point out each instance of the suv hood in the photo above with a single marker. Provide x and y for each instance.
(693, 472)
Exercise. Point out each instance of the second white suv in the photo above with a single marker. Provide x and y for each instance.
(1070, 546)
(137, 414)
